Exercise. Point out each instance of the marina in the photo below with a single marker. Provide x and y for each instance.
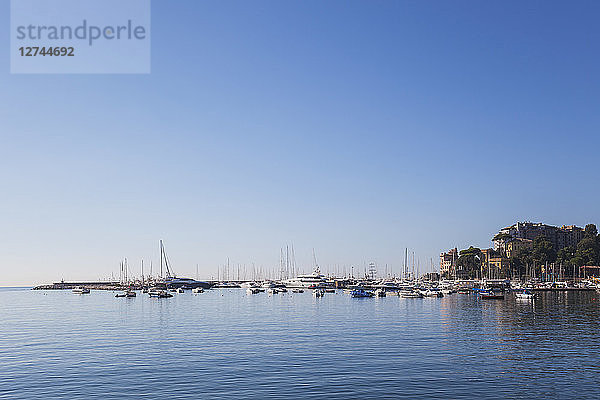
(314, 200)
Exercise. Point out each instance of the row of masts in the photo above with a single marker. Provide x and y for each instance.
(165, 269)
(287, 269)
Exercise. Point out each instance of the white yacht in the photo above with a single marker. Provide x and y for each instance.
(81, 290)
(313, 280)
(525, 294)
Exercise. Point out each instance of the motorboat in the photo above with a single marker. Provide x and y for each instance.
(297, 290)
(268, 285)
(490, 295)
(81, 290)
(197, 290)
(386, 285)
(525, 294)
(180, 290)
(226, 285)
(410, 294)
(127, 293)
(250, 285)
(380, 293)
(159, 294)
(253, 290)
(313, 280)
(432, 293)
(362, 293)
(319, 292)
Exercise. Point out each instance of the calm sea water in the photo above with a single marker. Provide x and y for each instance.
(226, 344)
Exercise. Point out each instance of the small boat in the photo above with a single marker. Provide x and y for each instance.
(525, 294)
(490, 295)
(361, 293)
(446, 292)
(180, 290)
(253, 290)
(464, 291)
(127, 293)
(319, 292)
(81, 290)
(272, 291)
(197, 290)
(432, 293)
(410, 294)
(297, 291)
(282, 290)
(380, 293)
(329, 290)
(159, 294)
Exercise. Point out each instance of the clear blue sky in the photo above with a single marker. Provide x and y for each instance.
(356, 128)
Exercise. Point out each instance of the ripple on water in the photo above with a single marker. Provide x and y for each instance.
(225, 344)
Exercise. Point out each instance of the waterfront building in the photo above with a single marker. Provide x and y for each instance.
(560, 237)
(494, 265)
(515, 245)
(448, 264)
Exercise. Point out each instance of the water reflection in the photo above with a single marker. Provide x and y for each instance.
(225, 344)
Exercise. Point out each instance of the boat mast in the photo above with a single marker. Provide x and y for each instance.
(287, 261)
(169, 272)
(413, 265)
(405, 270)
(294, 270)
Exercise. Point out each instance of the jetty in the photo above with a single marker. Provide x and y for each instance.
(62, 285)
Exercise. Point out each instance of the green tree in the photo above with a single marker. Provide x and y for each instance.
(502, 236)
(543, 251)
(521, 261)
(590, 231)
(469, 263)
(565, 259)
(566, 255)
(588, 252)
